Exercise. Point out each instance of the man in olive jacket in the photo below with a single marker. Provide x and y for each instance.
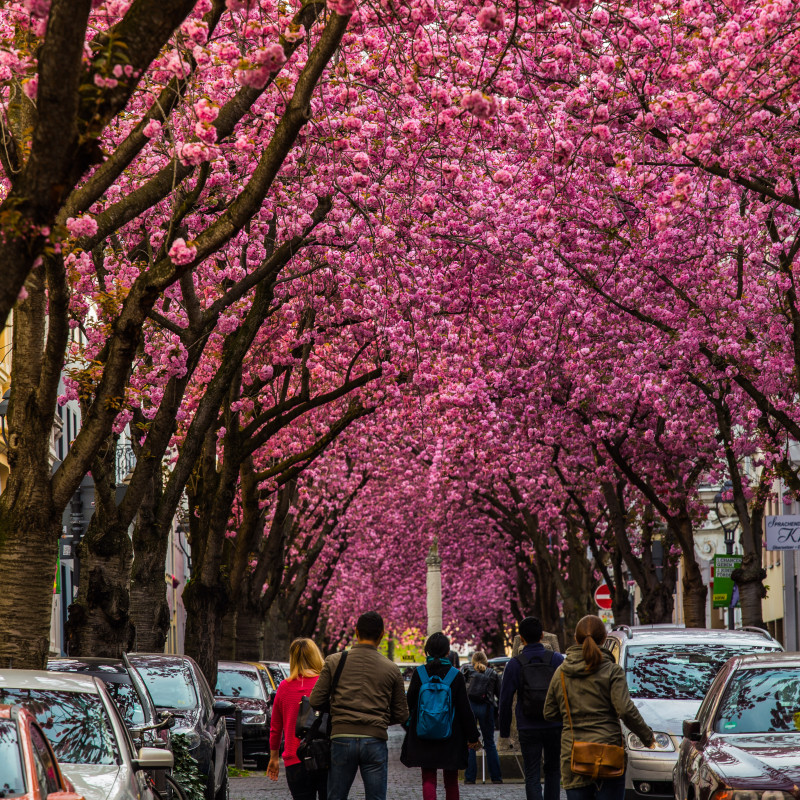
(368, 698)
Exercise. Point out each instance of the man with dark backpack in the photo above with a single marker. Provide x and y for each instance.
(527, 676)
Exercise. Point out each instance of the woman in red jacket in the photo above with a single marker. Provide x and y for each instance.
(305, 664)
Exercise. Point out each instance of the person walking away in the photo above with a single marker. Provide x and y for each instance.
(527, 676)
(368, 698)
(305, 664)
(596, 700)
(483, 690)
(441, 725)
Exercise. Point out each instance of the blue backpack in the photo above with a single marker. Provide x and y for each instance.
(435, 710)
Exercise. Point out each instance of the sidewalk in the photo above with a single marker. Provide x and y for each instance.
(404, 784)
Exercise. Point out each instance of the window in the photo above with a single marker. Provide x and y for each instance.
(46, 770)
(75, 723)
(12, 779)
(169, 683)
(678, 671)
(239, 683)
(761, 701)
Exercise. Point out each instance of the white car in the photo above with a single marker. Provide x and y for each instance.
(86, 730)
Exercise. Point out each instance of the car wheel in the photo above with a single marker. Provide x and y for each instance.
(262, 761)
(224, 790)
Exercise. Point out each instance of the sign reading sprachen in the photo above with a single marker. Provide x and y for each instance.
(783, 533)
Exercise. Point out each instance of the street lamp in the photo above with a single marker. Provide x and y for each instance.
(728, 531)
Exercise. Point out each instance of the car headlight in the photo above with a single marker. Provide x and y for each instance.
(255, 719)
(191, 738)
(663, 743)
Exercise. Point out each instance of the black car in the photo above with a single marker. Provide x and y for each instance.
(746, 737)
(177, 685)
(245, 685)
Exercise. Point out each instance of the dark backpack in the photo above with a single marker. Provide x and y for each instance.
(533, 685)
(479, 686)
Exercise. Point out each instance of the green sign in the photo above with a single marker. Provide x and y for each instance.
(722, 587)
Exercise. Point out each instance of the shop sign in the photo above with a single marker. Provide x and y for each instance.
(783, 533)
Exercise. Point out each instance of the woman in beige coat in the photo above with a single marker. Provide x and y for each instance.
(598, 700)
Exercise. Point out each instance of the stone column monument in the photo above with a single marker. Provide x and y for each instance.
(434, 585)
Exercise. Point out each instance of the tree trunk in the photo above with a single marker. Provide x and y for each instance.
(227, 647)
(695, 592)
(149, 608)
(205, 609)
(28, 556)
(276, 634)
(99, 621)
(750, 580)
(250, 632)
(656, 605)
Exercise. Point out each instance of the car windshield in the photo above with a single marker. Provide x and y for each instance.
(239, 683)
(170, 685)
(75, 723)
(678, 671)
(761, 701)
(128, 702)
(12, 782)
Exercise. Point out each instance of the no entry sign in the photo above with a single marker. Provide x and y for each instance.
(602, 596)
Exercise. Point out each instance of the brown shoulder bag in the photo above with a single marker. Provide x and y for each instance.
(594, 759)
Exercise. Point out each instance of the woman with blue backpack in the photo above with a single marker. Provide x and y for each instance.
(441, 727)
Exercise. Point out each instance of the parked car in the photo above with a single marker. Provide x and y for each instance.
(29, 769)
(147, 726)
(744, 741)
(278, 671)
(127, 690)
(87, 733)
(669, 670)
(177, 685)
(247, 685)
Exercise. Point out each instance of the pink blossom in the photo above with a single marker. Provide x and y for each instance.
(182, 253)
(81, 226)
(491, 18)
(343, 7)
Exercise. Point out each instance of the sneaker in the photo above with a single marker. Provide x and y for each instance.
(500, 781)
(469, 783)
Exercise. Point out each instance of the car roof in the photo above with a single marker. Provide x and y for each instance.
(755, 660)
(254, 665)
(159, 658)
(48, 681)
(676, 635)
(100, 666)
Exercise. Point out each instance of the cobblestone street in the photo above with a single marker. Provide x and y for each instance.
(404, 784)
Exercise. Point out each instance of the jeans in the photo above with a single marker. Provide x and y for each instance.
(608, 789)
(450, 777)
(484, 714)
(305, 785)
(349, 755)
(535, 744)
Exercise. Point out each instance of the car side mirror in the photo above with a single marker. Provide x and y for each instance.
(222, 708)
(691, 730)
(154, 758)
(64, 796)
(167, 719)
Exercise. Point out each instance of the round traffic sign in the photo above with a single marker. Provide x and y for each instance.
(602, 596)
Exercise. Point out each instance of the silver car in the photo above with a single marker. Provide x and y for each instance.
(669, 670)
(86, 730)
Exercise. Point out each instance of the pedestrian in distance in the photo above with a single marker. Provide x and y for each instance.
(368, 698)
(483, 690)
(441, 726)
(527, 677)
(590, 694)
(305, 664)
